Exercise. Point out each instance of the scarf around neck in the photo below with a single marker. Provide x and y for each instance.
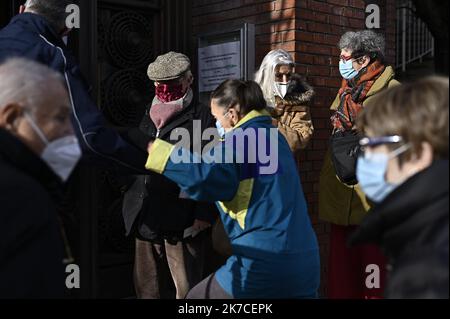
(162, 113)
(353, 94)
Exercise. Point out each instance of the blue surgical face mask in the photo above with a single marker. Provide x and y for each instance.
(220, 129)
(347, 70)
(371, 172)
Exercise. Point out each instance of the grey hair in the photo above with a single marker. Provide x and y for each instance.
(265, 76)
(27, 82)
(52, 10)
(365, 42)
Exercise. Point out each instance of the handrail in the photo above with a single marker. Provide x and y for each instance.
(414, 39)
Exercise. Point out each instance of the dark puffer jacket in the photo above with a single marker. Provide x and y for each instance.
(31, 245)
(411, 226)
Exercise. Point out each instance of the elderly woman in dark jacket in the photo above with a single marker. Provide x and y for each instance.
(404, 170)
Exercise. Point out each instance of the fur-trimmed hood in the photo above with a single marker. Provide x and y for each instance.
(299, 92)
(299, 96)
(292, 114)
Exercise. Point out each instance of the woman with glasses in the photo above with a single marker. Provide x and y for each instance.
(404, 169)
(365, 74)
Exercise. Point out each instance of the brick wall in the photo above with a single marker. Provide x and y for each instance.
(310, 30)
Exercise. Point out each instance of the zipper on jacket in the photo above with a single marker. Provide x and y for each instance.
(157, 133)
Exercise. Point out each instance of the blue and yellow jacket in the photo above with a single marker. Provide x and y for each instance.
(264, 211)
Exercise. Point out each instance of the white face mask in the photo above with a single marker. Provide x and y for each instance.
(61, 155)
(281, 89)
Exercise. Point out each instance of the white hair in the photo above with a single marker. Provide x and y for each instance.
(26, 82)
(265, 76)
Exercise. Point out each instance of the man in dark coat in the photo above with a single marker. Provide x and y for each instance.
(37, 34)
(36, 135)
(166, 221)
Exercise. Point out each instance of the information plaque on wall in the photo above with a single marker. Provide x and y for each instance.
(229, 54)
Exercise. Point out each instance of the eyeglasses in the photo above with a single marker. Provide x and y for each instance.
(345, 58)
(369, 142)
(279, 77)
(377, 141)
(348, 58)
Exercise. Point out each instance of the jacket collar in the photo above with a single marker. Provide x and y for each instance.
(18, 155)
(299, 92)
(382, 82)
(187, 114)
(300, 89)
(408, 210)
(38, 24)
(252, 116)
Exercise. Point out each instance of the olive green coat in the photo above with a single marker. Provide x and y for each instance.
(339, 203)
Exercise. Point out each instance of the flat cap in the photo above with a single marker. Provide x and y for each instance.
(169, 66)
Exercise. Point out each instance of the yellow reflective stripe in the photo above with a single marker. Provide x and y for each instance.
(237, 209)
(159, 156)
(252, 115)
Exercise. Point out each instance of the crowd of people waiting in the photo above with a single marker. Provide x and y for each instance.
(383, 187)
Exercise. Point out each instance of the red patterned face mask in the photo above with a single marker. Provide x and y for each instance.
(169, 92)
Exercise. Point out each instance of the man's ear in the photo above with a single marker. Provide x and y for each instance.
(22, 9)
(9, 116)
